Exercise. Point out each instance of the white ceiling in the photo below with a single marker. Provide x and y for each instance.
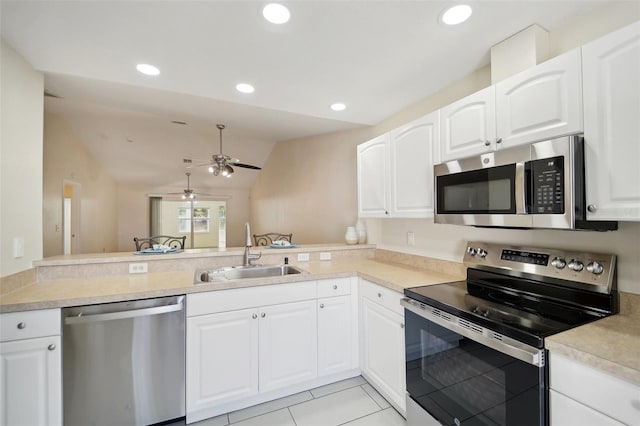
(378, 57)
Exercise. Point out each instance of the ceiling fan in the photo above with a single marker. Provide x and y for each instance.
(188, 193)
(221, 164)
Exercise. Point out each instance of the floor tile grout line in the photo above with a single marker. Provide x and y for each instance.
(292, 418)
(268, 412)
(331, 393)
(361, 417)
(377, 403)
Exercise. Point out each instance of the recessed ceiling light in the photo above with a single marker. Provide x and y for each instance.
(456, 14)
(338, 106)
(276, 13)
(148, 69)
(245, 88)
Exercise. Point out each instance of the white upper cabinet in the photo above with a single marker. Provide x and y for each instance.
(468, 126)
(411, 150)
(540, 103)
(611, 67)
(395, 170)
(373, 173)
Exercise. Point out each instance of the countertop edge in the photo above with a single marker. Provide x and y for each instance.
(612, 368)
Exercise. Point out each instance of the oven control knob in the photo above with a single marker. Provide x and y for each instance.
(595, 268)
(559, 263)
(575, 265)
(471, 251)
(482, 252)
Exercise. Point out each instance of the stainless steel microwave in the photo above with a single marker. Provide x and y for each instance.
(540, 185)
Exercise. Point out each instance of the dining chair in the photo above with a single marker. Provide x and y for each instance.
(166, 240)
(268, 238)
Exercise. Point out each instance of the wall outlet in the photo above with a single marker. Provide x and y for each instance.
(411, 238)
(325, 255)
(303, 257)
(138, 268)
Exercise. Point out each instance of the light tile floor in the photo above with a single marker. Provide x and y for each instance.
(351, 402)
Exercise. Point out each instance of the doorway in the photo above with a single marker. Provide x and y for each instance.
(71, 192)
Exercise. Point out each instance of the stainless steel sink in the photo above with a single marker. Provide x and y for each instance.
(244, 272)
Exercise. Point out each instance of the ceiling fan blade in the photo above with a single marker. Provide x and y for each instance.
(246, 166)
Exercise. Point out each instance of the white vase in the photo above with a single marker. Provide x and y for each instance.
(351, 236)
(361, 231)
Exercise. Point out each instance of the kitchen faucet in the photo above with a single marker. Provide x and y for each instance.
(248, 256)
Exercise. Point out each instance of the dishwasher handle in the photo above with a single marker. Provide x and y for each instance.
(133, 313)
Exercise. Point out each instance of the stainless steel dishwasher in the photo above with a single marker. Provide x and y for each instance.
(124, 363)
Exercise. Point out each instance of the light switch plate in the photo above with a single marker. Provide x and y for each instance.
(411, 238)
(325, 255)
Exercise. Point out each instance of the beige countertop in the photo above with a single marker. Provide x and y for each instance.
(611, 344)
(74, 292)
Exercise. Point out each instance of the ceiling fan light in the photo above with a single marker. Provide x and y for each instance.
(227, 170)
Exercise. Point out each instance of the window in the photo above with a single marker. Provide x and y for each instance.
(201, 219)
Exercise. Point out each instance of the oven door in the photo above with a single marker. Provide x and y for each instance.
(459, 373)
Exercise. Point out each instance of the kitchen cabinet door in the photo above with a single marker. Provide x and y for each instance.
(288, 344)
(382, 349)
(222, 359)
(543, 102)
(611, 67)
(31, 380)
(373, 179)
(468, 126)
(411, 149)
(334, 335)
(565, 411)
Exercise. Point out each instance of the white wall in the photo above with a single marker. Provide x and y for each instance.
(21, 124)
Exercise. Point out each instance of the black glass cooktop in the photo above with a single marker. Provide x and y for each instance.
(523, 309)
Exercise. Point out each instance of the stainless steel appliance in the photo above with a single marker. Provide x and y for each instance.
(475, 351)
(540, 185)
(124, 363)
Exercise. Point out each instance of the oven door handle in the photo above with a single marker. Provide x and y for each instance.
(482, 335)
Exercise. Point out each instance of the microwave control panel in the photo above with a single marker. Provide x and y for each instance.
(547, 185)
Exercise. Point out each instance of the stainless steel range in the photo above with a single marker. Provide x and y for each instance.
(475, 351)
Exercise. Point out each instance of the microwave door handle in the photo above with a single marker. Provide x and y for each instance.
(521, 189)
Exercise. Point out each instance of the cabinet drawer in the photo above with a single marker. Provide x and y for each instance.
(382, 295)
(334, 287)
(29, 324)
(249, 297)
(609, 395)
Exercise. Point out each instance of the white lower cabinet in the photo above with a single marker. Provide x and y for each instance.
(585, 396)
(382, 342)
(222, 358)
(31, 368)
(334, 335)
(288, 344)
(278, 340)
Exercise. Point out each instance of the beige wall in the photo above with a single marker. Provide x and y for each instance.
(133, 213)
(21, 106)
(67, 160)
(296, 193)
